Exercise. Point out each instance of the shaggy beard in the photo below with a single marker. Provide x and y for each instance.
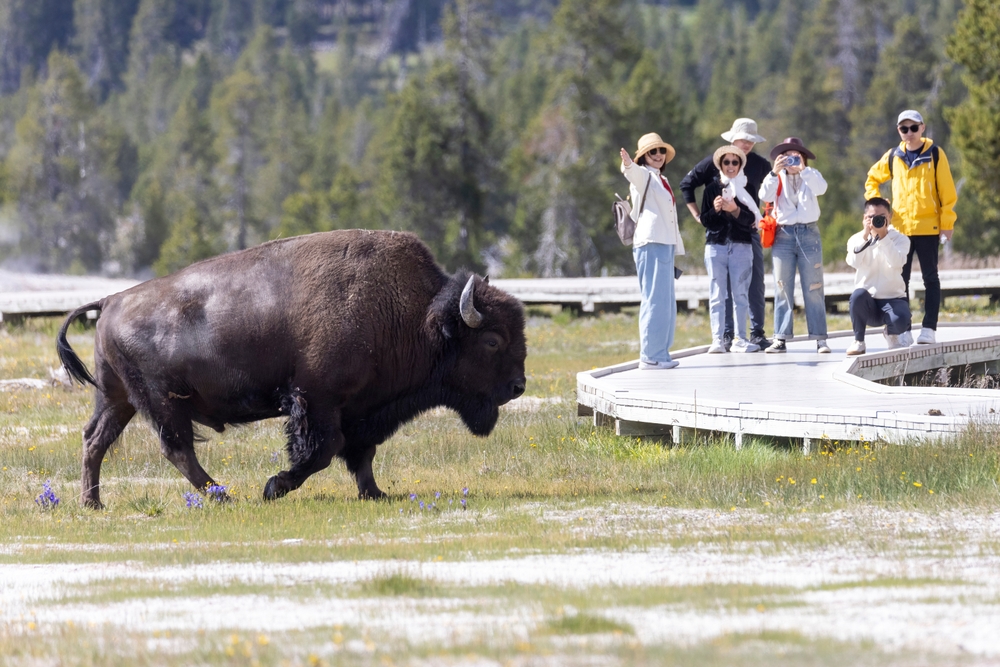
(480, 416)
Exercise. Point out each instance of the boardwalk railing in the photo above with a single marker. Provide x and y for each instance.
(23, 295)
(589, 294)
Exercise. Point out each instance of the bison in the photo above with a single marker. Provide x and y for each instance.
(347, 334)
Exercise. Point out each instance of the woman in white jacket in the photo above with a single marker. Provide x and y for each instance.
(795, 187)
(656, 241)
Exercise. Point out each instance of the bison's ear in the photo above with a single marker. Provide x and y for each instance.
(486, 280)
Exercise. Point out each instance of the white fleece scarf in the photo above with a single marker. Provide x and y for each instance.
(736, 188)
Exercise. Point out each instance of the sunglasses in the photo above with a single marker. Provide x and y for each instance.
(731, 163)
(658, 151)
(912, 128)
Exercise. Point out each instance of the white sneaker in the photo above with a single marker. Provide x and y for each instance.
(906, 339)
(856, 348)
(822, 347)
(926, 337)
(743, 345)
(717, 347)
(892, 341)
(657, 365)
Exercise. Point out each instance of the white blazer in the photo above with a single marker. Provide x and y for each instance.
(658, 221)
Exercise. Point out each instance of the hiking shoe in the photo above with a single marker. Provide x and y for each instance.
(906, 339)
(822, 347)
(777, 347)
(856, 348)
(743, 345)
(717, 347)
(926, 337)
(657, 365)
(761, 342)
(892, 341)
(727, 341)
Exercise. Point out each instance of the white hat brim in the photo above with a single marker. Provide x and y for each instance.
(731, 136)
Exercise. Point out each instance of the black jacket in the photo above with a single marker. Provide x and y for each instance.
(756, 169)
(720, 226)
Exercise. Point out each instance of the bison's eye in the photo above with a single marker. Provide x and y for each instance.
(492, 341)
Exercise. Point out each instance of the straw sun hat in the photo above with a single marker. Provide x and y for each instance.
(648, 142)
(728, 150)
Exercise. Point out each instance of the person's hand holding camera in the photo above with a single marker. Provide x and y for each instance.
(876, 226)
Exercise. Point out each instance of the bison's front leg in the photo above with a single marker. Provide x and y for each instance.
(313, 440)
(361, 465)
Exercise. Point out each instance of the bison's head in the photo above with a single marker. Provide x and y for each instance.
(485, 330)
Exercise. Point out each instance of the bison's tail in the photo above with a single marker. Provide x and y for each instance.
(76, 368)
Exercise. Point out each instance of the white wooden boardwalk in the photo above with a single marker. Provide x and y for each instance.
(799, 394)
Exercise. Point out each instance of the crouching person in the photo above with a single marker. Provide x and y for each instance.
(878, 253)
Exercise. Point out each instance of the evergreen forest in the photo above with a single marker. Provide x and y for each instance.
(138, 136)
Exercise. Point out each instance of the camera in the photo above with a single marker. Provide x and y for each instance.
(793, 161)
(878, 222)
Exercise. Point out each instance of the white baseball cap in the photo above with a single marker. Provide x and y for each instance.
(910, 114)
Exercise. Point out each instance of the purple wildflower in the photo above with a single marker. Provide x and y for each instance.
(413, 497)
(193, 500)
(47, 500)
(463, 503)
(465, 491)
(216, 492)
(275, 456)
(437, 495)
(421, 504)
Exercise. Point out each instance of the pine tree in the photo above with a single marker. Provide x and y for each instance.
(975, 45)
(102, 39)
(29, 29)
(71, 169)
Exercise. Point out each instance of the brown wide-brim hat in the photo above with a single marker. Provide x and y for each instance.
(728, 150)
(791, 144)
(648, 142)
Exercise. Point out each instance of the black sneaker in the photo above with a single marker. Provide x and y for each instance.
(727, 341)
(777, 347)
(760, 341)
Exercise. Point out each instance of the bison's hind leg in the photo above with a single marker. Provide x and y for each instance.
(112, 414)
(314, 438)
(172, 420)
(360, 465)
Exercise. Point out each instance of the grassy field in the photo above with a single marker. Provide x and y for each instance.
(545, 489)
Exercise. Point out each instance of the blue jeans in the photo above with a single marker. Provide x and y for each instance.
(798, 246)
(756, 294)
(867, 311)
(654, 263)
(732, 263)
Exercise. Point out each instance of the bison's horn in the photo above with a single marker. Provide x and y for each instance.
(470, 315)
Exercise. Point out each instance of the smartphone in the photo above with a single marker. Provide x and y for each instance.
(793, 161)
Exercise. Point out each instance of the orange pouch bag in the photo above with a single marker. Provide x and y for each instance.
(768, 226)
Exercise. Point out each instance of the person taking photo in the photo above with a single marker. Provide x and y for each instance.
(877, 253)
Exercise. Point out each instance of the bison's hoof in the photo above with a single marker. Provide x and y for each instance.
(272, 490)
(373, 493)
(92, 503)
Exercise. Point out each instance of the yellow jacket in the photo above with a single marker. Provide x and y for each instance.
(923, 202)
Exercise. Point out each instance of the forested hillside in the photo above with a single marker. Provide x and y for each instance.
(138, 136)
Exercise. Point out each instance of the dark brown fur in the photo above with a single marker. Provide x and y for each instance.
(348, 334)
